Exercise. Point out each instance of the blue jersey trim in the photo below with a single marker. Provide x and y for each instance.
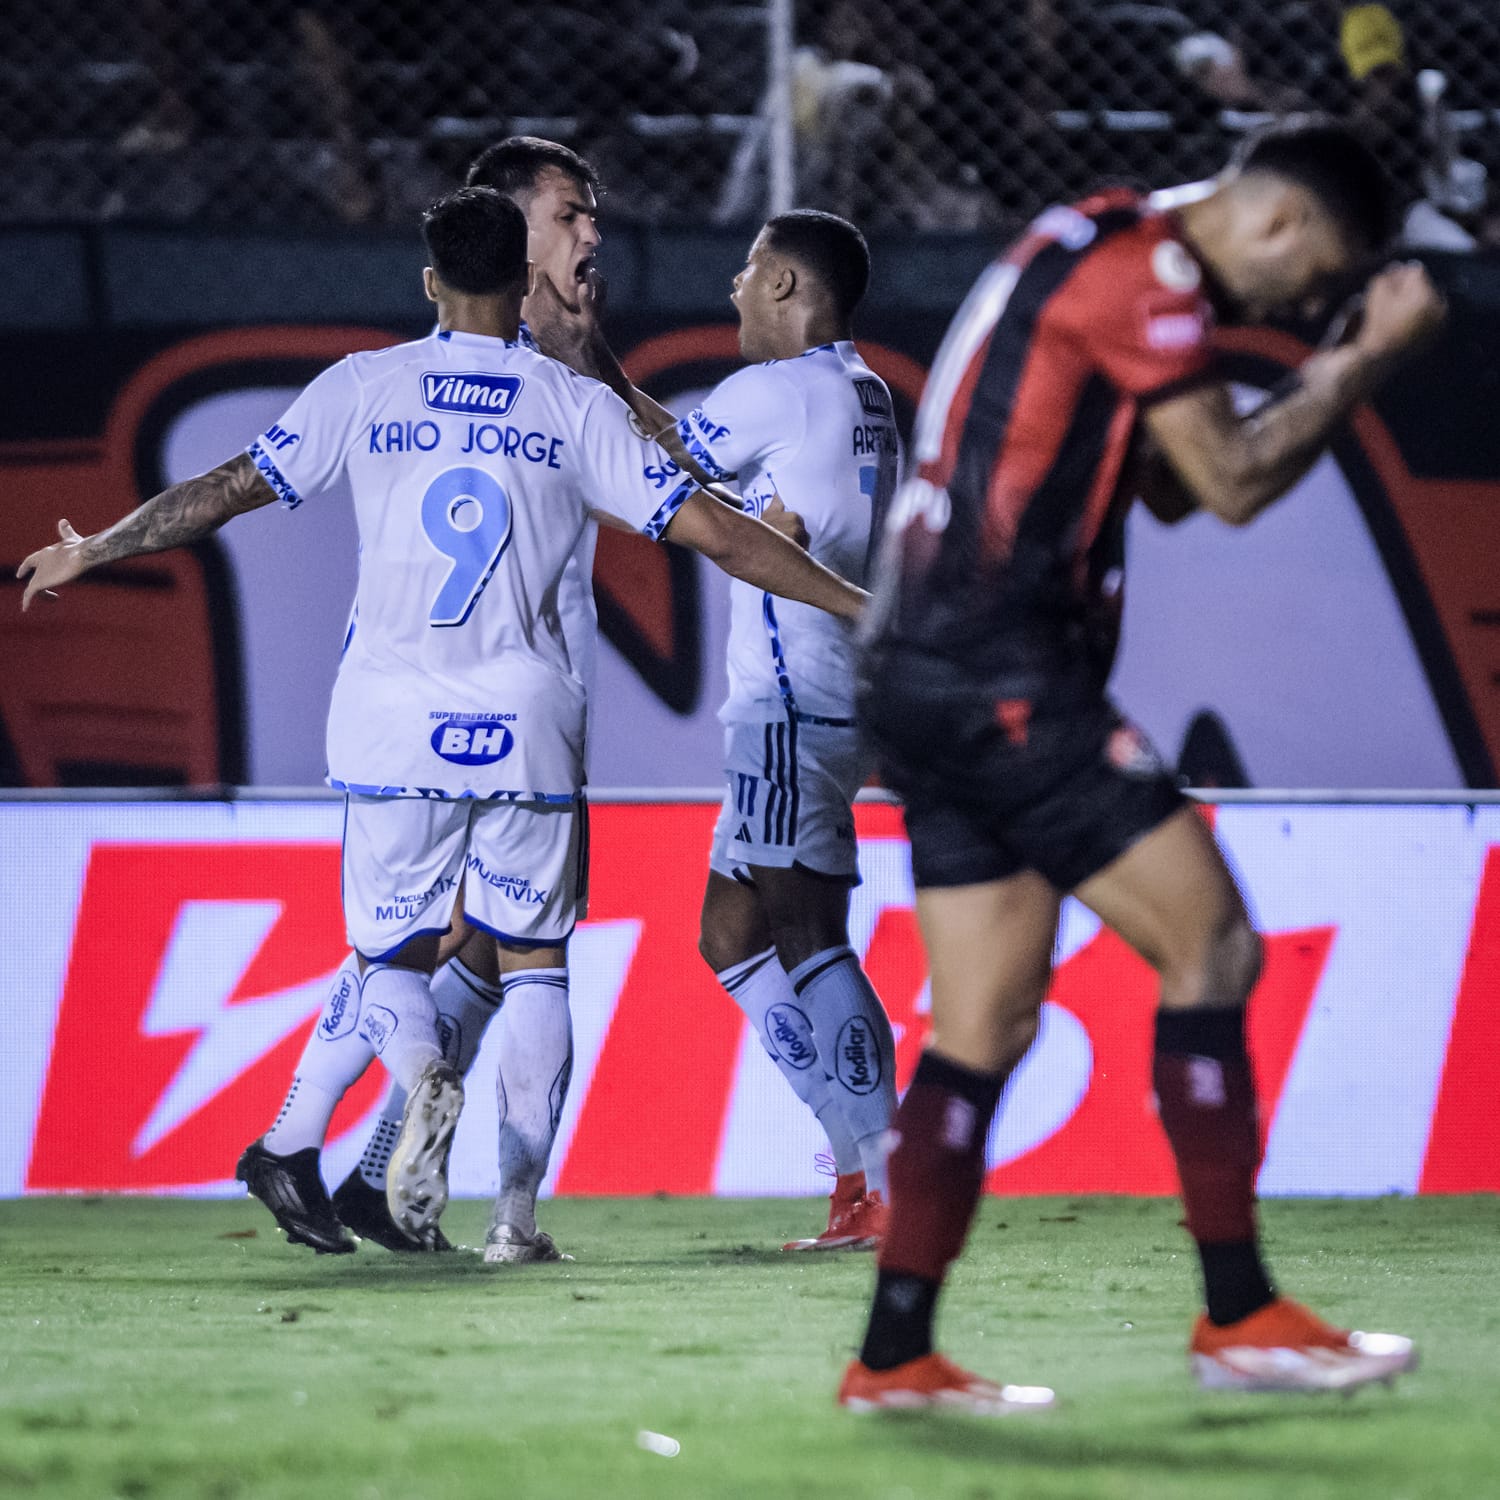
(669, 508)
(784, 676)
(778, 655)
(437, 794)
(382, 958)
(519, 942)
(285, 491)
(698, 450)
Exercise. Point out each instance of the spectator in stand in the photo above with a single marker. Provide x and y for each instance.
(865, 149)
(1351, 59)
(177, 42)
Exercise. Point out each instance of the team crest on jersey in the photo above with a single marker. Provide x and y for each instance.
(1129, 751)
(1174, 267)
(474, 392)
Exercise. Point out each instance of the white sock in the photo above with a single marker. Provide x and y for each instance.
(397, 1017)
(466, 1004)
(856, 1047)
(536, 1063)
(760, 987)
(333, 1059)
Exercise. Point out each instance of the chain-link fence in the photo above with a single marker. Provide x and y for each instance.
(906, 114)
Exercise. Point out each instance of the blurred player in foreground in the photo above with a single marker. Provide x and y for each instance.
(809, 421)
(456, 728)
(1022, 782)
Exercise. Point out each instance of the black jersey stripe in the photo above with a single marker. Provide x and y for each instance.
(1054, 505)
(791, 836)
(780, 783)
(768, 817)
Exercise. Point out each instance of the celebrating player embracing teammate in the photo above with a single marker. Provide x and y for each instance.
(456, 727)
(811, 424)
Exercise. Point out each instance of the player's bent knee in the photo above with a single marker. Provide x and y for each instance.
(716, 953)
(1221, 976)
(1016, 1036)
(1238, 962)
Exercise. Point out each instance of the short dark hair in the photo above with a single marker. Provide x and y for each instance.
(476, 241)
(828, 246)
(1333, 164)
(513, 165)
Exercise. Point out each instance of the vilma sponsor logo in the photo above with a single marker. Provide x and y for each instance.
(791, 1034)
(472, 740)
(857, 1058)
(874, 399)
(481, 394)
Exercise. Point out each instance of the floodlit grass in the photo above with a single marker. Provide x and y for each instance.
(161, 1348)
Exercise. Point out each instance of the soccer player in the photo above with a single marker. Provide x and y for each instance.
(1022, 782)
(810, 422)
(479, 982)
(456, 726)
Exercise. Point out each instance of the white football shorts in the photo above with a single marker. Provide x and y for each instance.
(789, 798)
(522, 867)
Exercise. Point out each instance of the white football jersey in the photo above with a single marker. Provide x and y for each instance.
(475, 465)
(575, 598)
(819, 431)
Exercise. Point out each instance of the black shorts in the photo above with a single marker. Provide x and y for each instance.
(1056, 781)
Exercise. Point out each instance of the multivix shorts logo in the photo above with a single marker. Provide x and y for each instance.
(483, 395)
(858, 1060)
(463, 742)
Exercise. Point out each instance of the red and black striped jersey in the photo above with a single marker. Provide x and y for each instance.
(990, 559)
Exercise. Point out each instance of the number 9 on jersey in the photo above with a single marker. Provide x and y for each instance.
(467, 517)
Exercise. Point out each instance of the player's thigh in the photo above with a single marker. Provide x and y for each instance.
(1172, 898)
(989, 954)
(732, 924)
(988, 924)
(787, 800)
(525, 880)
(402, 865)
(807, 912)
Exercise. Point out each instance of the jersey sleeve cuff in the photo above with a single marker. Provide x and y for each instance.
(698, 451)
(285, 491)
(668, 508)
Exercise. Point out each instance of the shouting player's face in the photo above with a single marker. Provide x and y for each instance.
(562, 220)
(757, 295)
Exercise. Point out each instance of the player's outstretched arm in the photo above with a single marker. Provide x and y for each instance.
(748, 549)
(1237, 465)
(182, 514)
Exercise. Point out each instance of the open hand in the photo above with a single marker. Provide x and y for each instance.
(568, 330)
(51, 567)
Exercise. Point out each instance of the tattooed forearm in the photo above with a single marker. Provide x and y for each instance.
(184, 513)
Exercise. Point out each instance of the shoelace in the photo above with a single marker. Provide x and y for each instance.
(824, 1165)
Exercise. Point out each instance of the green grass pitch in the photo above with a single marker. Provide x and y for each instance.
(160, 1348)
